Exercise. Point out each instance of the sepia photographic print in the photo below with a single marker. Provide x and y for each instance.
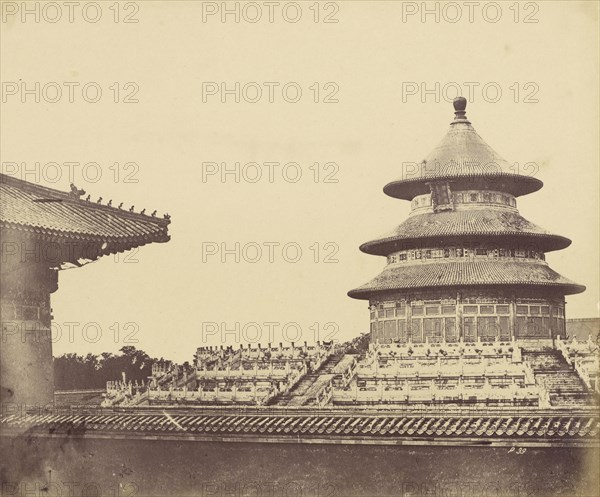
(299, 248)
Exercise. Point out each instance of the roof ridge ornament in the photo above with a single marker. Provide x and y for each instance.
(460, 115)
(76, 192)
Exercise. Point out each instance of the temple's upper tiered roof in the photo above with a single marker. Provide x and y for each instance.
(65, 217)
(476, 223)
(464, 159)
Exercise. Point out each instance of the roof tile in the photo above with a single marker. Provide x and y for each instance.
(39, 210)
(465, 273)
(460, 224)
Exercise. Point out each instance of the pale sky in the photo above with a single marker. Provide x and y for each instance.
(547, 113)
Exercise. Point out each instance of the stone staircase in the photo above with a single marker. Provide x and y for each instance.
(306, 390)
(331, 362)
(552, 372)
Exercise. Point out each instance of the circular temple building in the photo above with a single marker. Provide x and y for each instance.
(465, 266)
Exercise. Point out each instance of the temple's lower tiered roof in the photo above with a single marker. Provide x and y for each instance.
(61, 216)
(475, 223)
(464, 274)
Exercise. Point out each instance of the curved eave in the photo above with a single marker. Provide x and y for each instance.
(386, 246)
(158, 235)
(465, 226)
(466, 274)
(90, 246)
(360, 294)
(515, 184)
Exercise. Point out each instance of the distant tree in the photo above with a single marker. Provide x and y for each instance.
(77, 372)
(358, 345)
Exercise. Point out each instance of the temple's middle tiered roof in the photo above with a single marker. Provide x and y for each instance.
(489, 223)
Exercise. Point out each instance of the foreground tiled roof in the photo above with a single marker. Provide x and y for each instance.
(559, 426)
(47, 212)
(462, 154)
(466, 273)
(474, 223)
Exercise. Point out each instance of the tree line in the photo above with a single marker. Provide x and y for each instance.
(77, 372)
